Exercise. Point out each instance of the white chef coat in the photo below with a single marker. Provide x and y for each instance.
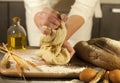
(84, 8)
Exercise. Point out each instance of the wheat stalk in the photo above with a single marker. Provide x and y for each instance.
(21, 63)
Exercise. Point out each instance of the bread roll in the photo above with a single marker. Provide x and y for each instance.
(102, 52)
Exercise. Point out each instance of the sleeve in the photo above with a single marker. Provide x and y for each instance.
(34, 6)
(84, 8)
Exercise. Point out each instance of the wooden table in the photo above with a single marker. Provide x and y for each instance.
(7, 79)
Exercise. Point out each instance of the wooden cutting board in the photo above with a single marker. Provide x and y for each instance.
(70, 70)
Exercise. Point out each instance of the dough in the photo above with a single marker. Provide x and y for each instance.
(51, 49)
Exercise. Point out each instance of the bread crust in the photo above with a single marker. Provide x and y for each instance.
(102, 52)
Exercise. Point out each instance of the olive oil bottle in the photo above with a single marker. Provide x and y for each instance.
(16, 35)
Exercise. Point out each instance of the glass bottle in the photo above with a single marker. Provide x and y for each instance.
(16, 35)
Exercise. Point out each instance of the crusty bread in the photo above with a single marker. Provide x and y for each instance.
(102, 52)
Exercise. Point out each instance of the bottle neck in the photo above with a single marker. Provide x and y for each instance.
(16, 23)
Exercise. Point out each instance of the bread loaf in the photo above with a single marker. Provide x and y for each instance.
(102, 52)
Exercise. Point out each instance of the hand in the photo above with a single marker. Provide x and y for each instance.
(50, 18)
(69, 48)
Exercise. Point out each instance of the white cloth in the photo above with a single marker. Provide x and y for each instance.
(98, 12)
(84, 8)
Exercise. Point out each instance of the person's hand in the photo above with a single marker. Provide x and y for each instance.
(50, 18)
(70, 49)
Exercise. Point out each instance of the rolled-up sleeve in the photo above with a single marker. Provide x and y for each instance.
(35, 5)
(84, 8)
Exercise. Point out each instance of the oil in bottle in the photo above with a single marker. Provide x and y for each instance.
(16, 35)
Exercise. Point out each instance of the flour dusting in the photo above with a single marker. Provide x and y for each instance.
(60, 69)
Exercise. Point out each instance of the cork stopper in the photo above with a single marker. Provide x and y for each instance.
(15, 19)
